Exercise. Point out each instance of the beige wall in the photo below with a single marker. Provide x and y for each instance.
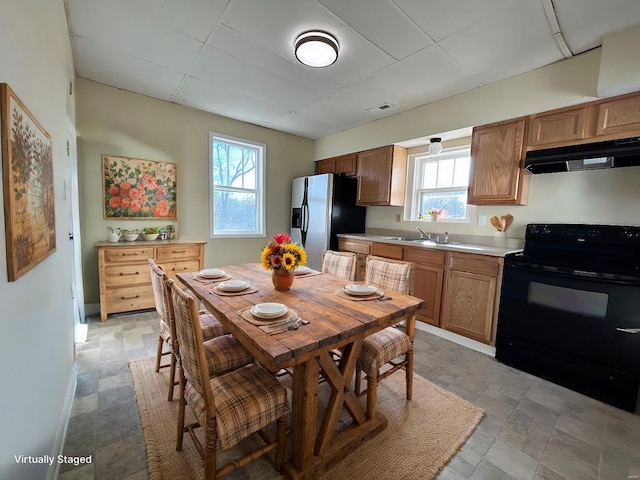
(610, 196)
(117, 122)
(37, 319)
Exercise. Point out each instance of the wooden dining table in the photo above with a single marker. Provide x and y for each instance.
(334, 322)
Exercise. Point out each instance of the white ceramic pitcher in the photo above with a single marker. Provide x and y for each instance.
(113, 234)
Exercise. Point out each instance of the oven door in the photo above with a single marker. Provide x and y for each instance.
(592, 318)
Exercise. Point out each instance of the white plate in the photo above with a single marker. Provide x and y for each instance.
(268, 310)
(233, 285)
(301, 270)
(212, 273)
(355, 289)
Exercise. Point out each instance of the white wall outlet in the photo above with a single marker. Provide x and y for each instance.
(482, 220)
(398, 217)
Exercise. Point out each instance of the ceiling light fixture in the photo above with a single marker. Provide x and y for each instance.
(435, 147)
(316, 48)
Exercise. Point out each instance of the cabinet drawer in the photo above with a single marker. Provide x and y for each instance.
(176, 252)
(173, 268)
(130, 255)
(355, 246)
(472, 263)
(387, 250)
(129, 298)
(423, 255)
(121, 275)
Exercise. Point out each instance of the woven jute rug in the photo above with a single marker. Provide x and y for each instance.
(421, 437)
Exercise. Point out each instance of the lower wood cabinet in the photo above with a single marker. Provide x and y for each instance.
(361, 248)
(428, 280)
(471, 293)
(125, 279)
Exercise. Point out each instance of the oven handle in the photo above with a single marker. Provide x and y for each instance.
(628, 330)
(519, 266)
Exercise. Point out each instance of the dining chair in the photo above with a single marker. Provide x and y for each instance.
(392, 347)
(211, 328)
(341, 264)
(228, 407)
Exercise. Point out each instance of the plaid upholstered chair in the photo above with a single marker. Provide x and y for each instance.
(211, 328)
(228, 407)
(383, 348)
(342, 264)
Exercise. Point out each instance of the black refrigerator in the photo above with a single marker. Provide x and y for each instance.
(322, 206)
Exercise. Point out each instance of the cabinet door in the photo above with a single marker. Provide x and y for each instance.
(619, 118)
(558, 129)
(382, 176)
(327, 165)
(346, 164)
(497, 174)
(469, 304)
(428, 287)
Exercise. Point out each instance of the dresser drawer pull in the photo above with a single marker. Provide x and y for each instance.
(122, 274)
(129, 298)
(130, 254)
(174, 269)
(179, 251)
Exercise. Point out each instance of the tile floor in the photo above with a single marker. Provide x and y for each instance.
(533, 429)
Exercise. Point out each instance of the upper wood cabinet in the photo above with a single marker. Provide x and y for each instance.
(345, 164)
(497, 175)
(608, 119)
(382, 176)
(619, 117)
(561, 127)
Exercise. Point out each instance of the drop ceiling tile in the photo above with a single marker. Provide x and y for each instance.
(383, 24)
(193, 18)
(254, 53)
(441, 18)
(226, 102)
(123, 71)
(509, 43)
(123, 26)
(303, 126)
(601, 18)
(367, 94)
(221, 69)
(333, 113)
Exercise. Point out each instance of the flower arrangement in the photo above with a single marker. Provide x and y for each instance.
(435, 211)
(282, 254)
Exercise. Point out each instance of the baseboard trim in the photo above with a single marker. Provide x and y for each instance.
(54, 470)
(459, 339)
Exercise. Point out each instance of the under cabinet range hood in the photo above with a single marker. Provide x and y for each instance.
(589, 156)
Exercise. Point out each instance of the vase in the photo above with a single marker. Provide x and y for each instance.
(434, 218)
(282, 279)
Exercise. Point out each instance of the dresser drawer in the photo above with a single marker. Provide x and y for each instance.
(423, 255)
(173, 268)
(125, 299)
(129, 255)
(177, 252)
(123, 275)
(356, 246)
(472, 263)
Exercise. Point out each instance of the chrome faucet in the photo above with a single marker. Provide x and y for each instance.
(424, 236)
(444, 238)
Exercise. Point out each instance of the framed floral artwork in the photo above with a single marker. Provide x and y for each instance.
(136, 188)
(27, 173)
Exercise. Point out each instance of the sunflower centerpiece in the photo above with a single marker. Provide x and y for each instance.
(282, 256)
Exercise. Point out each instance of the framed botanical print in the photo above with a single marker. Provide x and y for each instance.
(136, 189)
(27, 173)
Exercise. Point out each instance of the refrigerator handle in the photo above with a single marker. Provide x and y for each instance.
(304, 227)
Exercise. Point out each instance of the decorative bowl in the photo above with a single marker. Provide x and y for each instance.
(129, 237)
(150, 236)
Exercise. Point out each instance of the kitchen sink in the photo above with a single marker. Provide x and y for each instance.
(433, 242)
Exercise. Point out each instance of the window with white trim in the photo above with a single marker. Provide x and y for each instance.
(237, 186)
(441, 183)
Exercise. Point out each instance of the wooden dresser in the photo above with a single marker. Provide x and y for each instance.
(125, 280)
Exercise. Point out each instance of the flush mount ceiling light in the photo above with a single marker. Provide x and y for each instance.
(435, 147)
(316, 48)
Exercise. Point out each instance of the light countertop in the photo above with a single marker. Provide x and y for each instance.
(495, 247)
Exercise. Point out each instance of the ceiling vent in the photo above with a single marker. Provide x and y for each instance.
(379, 108)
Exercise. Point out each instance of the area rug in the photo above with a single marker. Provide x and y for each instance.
(421, 437)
